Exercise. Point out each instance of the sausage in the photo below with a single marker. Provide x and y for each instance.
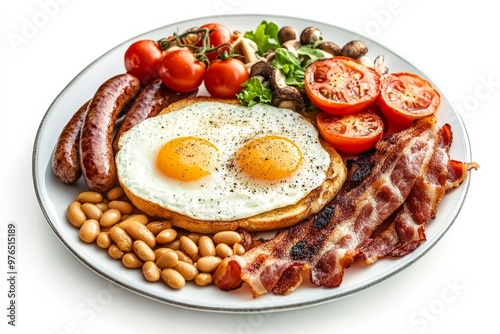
(96, 151)
(65, 159)
(150, 101)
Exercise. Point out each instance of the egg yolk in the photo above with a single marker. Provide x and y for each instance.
(269, 158)
(187, 158)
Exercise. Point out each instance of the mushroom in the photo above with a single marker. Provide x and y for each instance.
(354, 49)
(292, 45)
(269, 55)
(287, 97)
(379, 65)
(330, 48)
(247, 48)
(277, 79)
(365, 60)
(287, 33)
(261, 69)
(310, 35)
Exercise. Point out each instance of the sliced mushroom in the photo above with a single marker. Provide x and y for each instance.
(288, 97)
(261, 69)
(379, 65)
(247, 48)
(292, 45)
(354, 49)
(277, 79)
(330, 48)
(269, 55)
(310, 35)
(287, 33)
(365, 60)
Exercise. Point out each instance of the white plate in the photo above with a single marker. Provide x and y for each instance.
(54, 196)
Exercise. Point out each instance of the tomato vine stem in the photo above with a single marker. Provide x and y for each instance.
(186, 40)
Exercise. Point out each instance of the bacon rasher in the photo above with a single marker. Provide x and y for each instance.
(329, 242)
(406, 230)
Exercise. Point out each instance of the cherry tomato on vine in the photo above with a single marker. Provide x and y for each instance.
(405, 97)
(353, 133)
(181, 71)
(219, 34)
(341, 85)
(142, 60)
(224, 77)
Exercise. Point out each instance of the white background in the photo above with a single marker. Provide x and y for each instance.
(452, 288)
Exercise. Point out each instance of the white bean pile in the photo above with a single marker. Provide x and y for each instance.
(161, 251)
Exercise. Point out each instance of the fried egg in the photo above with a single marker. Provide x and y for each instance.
(222, 162)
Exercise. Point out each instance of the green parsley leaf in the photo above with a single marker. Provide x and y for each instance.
(265, 37)
(309, 54)
(254, 92)
(291, 67)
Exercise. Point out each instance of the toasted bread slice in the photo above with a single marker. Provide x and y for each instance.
(271, 220)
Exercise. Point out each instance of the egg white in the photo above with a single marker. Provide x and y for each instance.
(226, 194)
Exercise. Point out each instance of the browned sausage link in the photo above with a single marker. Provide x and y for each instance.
(152, 99)
(96, 151)
(65, 160)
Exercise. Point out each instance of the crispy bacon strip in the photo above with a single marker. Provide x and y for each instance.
(405, 233)
(328, 242)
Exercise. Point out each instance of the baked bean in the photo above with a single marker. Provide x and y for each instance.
(158, 226)
(160, 251)
(166, 236)
(125, 208)
(172, 278)
(115, 193)
(188, 246)
(206, 246)
(91, 211)
(150, 271)
(223, 251)
(167, 260)
(89, 230)
(203, 279)
(75, 214)
(121, 238)
(89, 197)
(103, 240)
(142, 219)
(115, 252)
(139, 231)
(102, 206)
(110, 217)
(196, 257)
(207, 264)
(187, 270)
(195, 237)
(138, 217)
(183, 257)
(175, 245)
(131, 261)
(239, 249)
(143, 251)
(227, 237)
